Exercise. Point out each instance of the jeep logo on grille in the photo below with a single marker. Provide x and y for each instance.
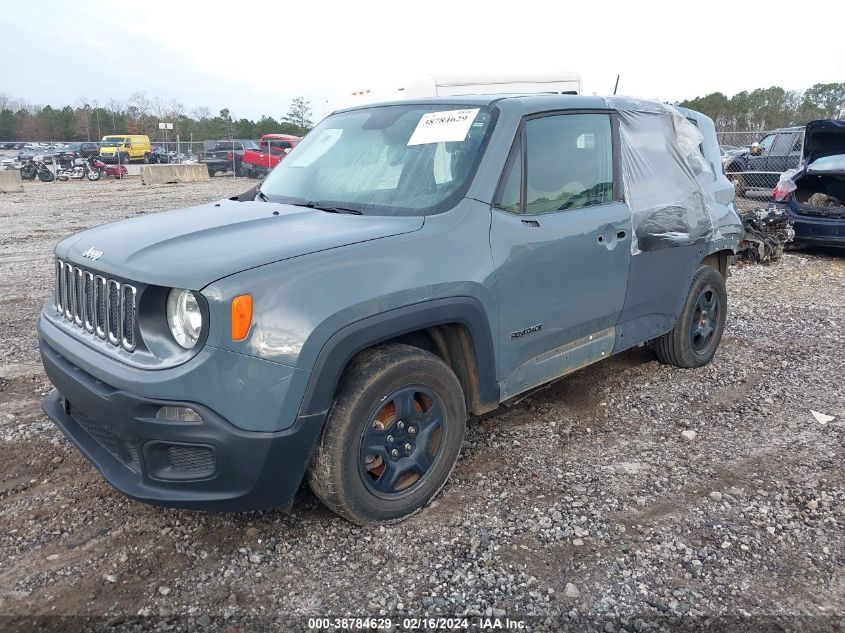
(92, 254)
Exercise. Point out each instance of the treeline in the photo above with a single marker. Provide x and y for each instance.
(90, 120)
(761, 109)
(771, 108)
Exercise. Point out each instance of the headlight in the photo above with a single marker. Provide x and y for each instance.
(184, 317)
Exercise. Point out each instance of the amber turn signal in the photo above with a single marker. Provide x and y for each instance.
(241, 316)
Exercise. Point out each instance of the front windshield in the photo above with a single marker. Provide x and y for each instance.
(386, 160)
(112, 142)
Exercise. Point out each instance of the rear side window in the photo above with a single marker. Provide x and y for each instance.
(783, 144)
(569, 162)
(275, 145)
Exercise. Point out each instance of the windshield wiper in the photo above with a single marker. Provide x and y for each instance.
(311, 204)
(262, 195)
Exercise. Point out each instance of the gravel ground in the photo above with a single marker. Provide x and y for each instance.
(629, 496)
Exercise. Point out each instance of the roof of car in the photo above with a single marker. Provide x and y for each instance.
(531, 102)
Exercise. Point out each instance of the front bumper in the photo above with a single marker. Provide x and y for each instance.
(207, 465)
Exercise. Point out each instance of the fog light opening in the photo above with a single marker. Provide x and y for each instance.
(178, 414)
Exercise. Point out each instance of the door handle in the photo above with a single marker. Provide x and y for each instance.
(621, 235)
(532, 223)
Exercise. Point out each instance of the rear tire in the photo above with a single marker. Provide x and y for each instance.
(392, 436)
(696, 336)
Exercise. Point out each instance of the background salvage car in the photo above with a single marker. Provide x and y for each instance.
(815, 193)
(757, 169)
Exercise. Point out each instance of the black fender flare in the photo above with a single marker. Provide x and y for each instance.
(355, 337)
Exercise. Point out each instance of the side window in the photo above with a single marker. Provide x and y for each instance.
(766, 143)
(510, 197)
(783, 143)
(569, 162)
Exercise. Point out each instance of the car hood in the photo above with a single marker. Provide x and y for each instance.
(190, 248)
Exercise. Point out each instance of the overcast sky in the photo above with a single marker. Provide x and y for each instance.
(254, 56)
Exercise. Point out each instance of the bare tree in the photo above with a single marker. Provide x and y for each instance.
(140, 108)
(96, 107)
(115, 108)
(202, 114)
(82, 116)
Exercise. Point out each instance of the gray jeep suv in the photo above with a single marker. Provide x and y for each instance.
(408, 265)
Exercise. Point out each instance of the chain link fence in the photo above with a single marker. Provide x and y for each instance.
(754, 160)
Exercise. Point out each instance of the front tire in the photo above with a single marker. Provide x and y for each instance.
(392, 437)
(693, 341)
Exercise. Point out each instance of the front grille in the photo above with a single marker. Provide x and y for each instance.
(92, 302)
(114, 311)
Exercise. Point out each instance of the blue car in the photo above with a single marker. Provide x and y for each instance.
(815, 194)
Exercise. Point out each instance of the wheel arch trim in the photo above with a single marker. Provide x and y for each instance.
(342, 346)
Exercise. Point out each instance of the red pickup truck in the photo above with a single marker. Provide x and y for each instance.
(272, 148)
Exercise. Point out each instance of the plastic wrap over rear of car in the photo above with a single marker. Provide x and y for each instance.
(665, 176)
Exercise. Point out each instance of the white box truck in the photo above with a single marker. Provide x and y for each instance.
(454, 85)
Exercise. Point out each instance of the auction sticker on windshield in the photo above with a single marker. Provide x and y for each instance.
(443, 127)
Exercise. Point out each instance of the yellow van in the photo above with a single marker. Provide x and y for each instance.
(126, 147)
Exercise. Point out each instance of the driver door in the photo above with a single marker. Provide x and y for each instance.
(561, 244)
(758, 162)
